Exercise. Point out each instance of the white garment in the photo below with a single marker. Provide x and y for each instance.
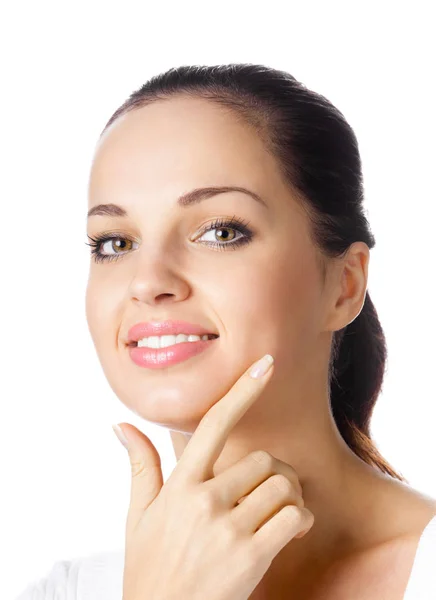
(422, 580)
(95, 577)
(100, 576)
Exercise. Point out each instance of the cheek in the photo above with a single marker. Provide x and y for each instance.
(294, 297)
(279, 303)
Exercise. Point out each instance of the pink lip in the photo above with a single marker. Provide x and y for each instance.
(156, 358)
(141, 330)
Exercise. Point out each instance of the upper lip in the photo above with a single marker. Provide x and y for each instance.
(142, 330)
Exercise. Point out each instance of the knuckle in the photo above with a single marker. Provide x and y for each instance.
(214, 418)
(298, 485)
(230, 531)
(300, 501)
(310, 519)
(206, 502)
(309, 516)
(292, 475)
(138, 468)
(271, 463)
(208, 419)
(292, 514)
(282, 483)
(296, 480)
(264, 458)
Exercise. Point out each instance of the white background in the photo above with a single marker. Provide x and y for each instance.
(66, 67)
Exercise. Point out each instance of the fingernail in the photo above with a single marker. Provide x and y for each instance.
(262, 366)
(120, 435)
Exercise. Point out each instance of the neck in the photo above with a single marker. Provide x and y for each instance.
(334, 480)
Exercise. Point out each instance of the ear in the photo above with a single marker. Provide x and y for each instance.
(347, 287)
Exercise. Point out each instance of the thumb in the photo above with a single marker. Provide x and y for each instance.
(147, 477)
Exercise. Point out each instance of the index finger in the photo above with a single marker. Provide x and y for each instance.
(207, 442)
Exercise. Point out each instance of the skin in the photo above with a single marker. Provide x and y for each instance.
(264, 297)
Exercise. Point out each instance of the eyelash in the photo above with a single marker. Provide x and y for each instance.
(233, 223)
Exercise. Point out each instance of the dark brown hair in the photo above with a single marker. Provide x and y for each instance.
(317, 153)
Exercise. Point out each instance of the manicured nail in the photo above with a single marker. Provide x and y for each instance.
(262, 366)
(120, 435)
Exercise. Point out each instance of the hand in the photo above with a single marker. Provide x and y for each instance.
(200, 536)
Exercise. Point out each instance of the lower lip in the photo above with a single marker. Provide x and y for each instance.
(156, 358)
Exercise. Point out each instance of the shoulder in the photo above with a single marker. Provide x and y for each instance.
(98, 576)
(403, 558)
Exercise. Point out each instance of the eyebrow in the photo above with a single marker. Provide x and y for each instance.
(186, 200)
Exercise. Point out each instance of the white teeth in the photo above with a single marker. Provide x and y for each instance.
(162, 341)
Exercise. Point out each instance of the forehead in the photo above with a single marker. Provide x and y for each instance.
(180, 142)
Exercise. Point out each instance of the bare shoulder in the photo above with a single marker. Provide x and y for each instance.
(398, 512)
(382, 572)
(382, 569)
(411, 511)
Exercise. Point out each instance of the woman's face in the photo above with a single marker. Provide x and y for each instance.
(261, 296)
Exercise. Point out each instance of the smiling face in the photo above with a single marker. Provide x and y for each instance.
(261, 295)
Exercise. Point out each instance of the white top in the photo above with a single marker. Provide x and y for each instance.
(422, 580)
(100, 576)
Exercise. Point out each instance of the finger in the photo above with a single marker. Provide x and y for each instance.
(283, 527)
(146, 474)
(206, 444)
(264, 502)
(248, 473)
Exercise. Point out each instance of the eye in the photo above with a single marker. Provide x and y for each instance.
(223, 226)
(100, 242)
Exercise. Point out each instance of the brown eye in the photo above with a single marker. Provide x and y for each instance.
(118, 244)
(222, 234)
(106, 248)
(114, 247)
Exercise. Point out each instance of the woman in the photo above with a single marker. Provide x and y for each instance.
(198, 161)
